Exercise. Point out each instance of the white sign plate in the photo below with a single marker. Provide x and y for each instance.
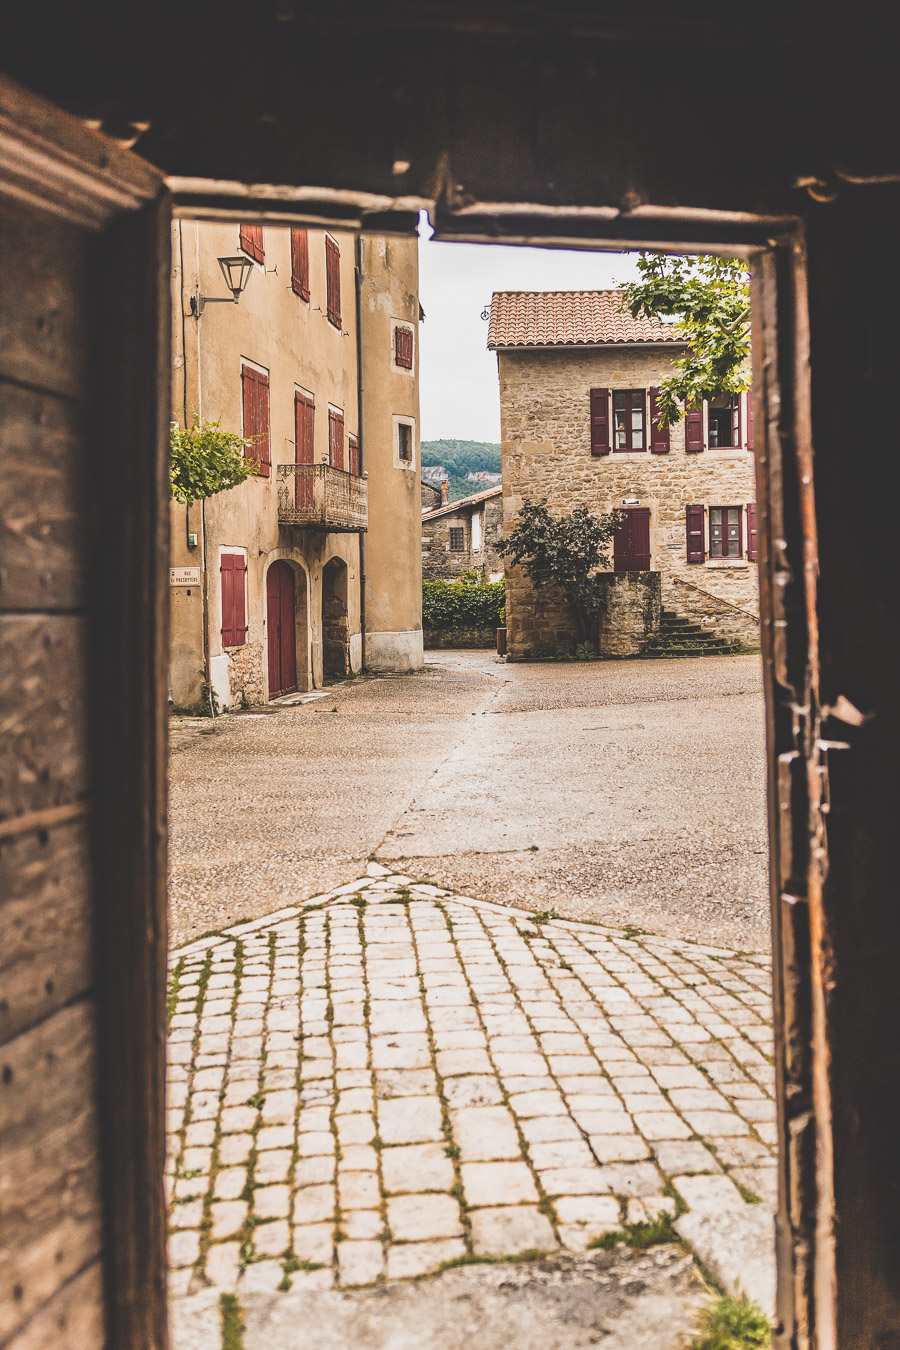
(184, 576)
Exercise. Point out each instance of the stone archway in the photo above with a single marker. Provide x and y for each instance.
(335, 621)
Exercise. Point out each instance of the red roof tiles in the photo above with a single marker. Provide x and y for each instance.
(462, 502)
(567, 319)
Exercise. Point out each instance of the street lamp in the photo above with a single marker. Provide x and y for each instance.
(236, 272)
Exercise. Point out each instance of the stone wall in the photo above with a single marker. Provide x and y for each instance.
(437, 638)
(246, 675)
(439, 563)
(631, 613)
(545, 419)
(712, 613)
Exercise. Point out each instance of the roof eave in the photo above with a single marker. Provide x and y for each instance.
(582, 346)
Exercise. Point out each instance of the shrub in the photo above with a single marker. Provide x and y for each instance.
(462, 604)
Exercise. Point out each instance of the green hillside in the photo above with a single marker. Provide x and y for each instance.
(460, 458)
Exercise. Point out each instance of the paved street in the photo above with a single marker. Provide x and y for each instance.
(539, 1018)
(628, 792)
(392, 1078)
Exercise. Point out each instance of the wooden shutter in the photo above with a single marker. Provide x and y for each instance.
(336, 439)
(333, 281)
(353, 446)
(403, 347)
(248, 399)
(599, 421)
(304, 425)
(228, 615)
(251, 241)
(300, 263)
(659, 435)
(640, 539)
(696, 544)
(751, 532)
(750, 418)
(737, 422)
(693, 430)
(255, 395)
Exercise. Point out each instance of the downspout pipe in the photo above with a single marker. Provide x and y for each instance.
(360, 437)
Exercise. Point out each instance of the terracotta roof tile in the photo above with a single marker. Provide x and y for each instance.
(567, 319)
(462, 502)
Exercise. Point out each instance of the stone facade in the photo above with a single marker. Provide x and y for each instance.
(480, 518)
(546, 450)
(455, 638)
(431, 496)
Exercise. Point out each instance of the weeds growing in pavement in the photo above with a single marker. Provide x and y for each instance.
(646, 1233)
(232, 1322)
(732, 1322)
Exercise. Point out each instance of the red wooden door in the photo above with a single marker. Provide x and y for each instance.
(281, 630)
(631, 544)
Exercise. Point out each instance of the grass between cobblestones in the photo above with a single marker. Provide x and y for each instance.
(731, 1322)
(599, 1007)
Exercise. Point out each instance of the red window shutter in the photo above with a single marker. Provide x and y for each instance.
(353, 445)
(333, 281)
(696, 544)
(262, 394)
(659, 435)
(248, 400)
(227, 570)
(736, 421)
(403, 347)
(599, 421)
(300, 263)
(750, 418)
(240, 599)
(304, 423)
(693, 430)
(751, 531)
(336, 439)
(251, 241)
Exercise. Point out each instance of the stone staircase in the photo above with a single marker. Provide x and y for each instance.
(682, 637)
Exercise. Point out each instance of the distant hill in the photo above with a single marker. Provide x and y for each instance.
(460, 458)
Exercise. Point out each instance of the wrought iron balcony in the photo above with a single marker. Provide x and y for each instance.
(320, 497)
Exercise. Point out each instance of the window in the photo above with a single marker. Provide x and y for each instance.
(628, 419)
(333, 281)
(725, 421)
(403, 347)
(233, 567)
(251, 241)
(725, 532)
(335, 438)
(353, 448)
(405, 449)
(457, 539)
(300, 263)
(255, 394)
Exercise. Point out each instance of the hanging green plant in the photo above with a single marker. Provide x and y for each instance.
(206, 460)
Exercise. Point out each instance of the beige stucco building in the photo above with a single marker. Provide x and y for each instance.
(310, 570)
(578, 382)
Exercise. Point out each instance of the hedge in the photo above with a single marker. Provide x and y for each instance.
(453, 604)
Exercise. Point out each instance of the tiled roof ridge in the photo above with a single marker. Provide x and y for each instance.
(464, 501)
(569, 318)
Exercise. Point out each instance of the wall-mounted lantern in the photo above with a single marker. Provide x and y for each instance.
(236, 272)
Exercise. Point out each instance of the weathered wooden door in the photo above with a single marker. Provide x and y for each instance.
(631, 545)
(281, 629)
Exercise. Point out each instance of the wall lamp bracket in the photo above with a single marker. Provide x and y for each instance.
(237, 272)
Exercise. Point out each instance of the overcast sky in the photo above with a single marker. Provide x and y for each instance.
(458, 375)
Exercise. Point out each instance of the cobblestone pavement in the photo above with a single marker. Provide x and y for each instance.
(392, 1077)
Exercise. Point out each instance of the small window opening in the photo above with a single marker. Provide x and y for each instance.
(405, 442)
(725, 532)
(628, 419)
(457, 539)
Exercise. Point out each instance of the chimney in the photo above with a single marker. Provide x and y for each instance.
(445, 493)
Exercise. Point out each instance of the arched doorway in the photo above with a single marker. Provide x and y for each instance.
(335, 623)
(281, 627)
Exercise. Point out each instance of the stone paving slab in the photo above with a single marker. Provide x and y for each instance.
(392, 1078)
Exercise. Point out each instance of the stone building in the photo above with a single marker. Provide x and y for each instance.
(309, 570)
(433, 495)
(579, 380)
(463, 534)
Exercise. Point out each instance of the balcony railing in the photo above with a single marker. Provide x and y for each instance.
(320, 497)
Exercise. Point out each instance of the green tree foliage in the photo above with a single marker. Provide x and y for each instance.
(710, 298)
(565, 551)
(206, 460)
(467, 603)
(460, 458)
